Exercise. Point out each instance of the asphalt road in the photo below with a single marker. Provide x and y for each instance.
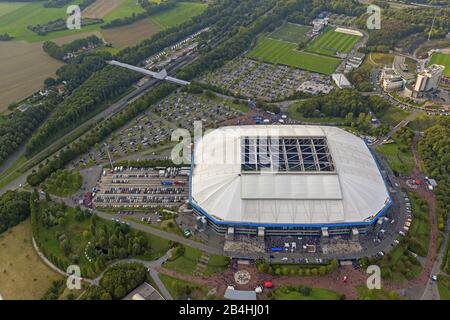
(105, 114)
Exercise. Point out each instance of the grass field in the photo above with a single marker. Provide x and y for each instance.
(178, 288)
(291, 32)
(185, 263)
(101, 8)
(23, 274)
(444, 287)
(402, 162)
(280, 52)
(443, 59)
(286, 293)
(330, 42)
(125, 8)
(181, 13)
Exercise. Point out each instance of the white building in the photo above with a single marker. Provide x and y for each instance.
(286, 179)
(428, 79)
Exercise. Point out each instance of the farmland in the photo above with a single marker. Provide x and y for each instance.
(181, 13)
(279, 52)
(132, 34)
(24, 68)
(24, 275)
(442, 59)
(291, 33)
(330, 42)
(101, 8)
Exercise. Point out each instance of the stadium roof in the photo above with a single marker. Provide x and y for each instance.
(291, 186)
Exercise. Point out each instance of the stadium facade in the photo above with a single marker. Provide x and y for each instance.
(286, 180)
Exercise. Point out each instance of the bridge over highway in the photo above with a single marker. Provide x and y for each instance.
(160, 75)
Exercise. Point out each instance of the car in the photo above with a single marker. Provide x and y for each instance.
(401, 233)
(380, 254)
(434, 277)
(284, 259)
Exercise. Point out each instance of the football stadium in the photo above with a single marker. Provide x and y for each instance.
(286, 180)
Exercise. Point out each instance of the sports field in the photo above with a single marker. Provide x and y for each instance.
(291, 32)
(442, 59)
(181, 13)
(330, 42)
(280, 52)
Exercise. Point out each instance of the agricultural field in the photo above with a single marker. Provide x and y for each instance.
(442, 59)
(24, 274)
(280, 52)
(24, 68)
(129, 35)
(331, 42)
(291, 32)
(181, 13)
(101, 8)
(14, 21)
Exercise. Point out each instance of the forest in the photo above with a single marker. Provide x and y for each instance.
(14, 208)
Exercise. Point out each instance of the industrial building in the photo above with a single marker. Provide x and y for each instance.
(286, 180)
(428, 80)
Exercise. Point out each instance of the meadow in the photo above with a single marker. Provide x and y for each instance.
(280, 52)
(24, 274)
(331, 42)
(291, 32)
(181, 13)
(442, 59)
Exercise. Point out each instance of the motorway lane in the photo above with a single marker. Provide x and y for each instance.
(103, 115)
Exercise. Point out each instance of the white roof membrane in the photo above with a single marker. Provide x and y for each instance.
(354, 192)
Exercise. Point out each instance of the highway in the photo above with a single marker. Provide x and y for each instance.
(101, 116)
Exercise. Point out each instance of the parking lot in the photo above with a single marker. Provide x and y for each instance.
(153, 129)
(136, 188)
(260, 80)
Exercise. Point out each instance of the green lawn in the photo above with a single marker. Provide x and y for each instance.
(280, 52)
(15, 21)
(7, 7)
(291, 32)
(185, 263)
(400, 161)
(216, 264)
(330, 42)
(443, 59)
(181, 13)
(365, 294)
(444, 287)
(290, 293)
(181, 289)
(393, 116)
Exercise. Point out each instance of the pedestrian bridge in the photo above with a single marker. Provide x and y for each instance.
(157, 75)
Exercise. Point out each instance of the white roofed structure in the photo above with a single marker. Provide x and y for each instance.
(269, 175)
